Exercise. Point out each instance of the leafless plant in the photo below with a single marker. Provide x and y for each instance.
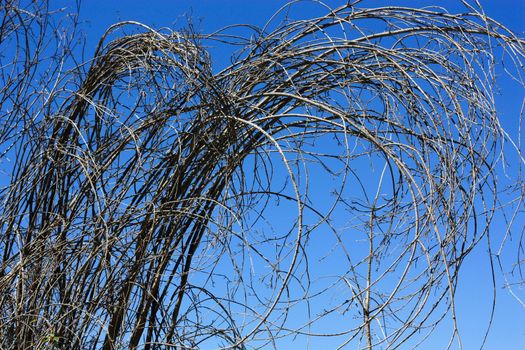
(341, 168)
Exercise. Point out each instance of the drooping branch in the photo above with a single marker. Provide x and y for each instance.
(152, 202)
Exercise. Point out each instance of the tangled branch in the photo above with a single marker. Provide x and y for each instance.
(341, 168)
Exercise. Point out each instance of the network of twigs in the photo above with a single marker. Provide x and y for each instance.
(340, 168)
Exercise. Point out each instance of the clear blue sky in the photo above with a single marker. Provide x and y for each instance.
(475, 292)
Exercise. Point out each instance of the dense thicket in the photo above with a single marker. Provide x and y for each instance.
(329, 182)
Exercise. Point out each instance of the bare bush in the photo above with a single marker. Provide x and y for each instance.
(341, 168)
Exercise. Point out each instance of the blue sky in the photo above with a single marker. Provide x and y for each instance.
(475, 292)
